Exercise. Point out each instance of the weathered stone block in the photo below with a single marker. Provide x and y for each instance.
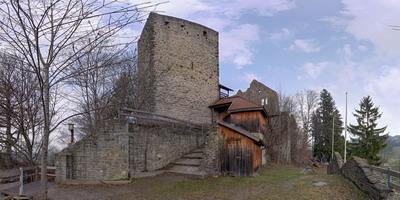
(357, 170)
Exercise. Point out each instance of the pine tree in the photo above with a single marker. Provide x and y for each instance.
(369, 140)
(322, 124)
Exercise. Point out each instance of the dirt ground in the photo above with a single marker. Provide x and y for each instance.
(270, 183)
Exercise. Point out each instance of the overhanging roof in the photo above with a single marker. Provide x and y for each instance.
(242, 132)
(238, 104)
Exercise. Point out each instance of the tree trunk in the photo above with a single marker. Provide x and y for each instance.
(8, 155)
(46, 131)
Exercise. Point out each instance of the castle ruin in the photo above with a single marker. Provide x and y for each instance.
(178, 81)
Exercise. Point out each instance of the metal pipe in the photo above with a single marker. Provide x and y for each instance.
(345, 132)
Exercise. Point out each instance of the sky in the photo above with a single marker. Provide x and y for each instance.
(340, 45)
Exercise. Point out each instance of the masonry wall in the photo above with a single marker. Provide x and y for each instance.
(99, 157)
(123, 149)
(258, 91)
(154, 145)
(213, 149)
(358, 170)
(336, 164)
(178, 68)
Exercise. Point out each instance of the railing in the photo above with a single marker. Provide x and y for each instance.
(390, 174)
(223, 95)
(133, 113)
(128, 112)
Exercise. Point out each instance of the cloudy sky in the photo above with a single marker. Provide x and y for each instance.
(341, 45)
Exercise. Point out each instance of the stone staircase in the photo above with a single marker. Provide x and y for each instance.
(189, 164)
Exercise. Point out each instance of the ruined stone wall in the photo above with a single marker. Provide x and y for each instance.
(178, 68)
(336, 164)
(357, 170)
(154, 145)
(99, 157)
(258, 91)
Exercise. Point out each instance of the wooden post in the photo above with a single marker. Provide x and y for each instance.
(21, 181)
(389, 177)
(37, 174)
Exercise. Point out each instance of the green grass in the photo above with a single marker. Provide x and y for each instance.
(288, 183)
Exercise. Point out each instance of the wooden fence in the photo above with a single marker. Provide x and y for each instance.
(390, 174)
(30, 174)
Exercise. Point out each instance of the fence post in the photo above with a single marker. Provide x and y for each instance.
(388, 176)
(21, 181)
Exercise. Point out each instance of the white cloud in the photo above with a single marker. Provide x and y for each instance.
(362, 48)
(178, 8)
(334, 20)
(279, 35)
(235, 44)
(222, 16)
(386, 84)
(345, 51)
(248, 77)
(307, 46)
(372, 21)
(260, 7)
(313, 70)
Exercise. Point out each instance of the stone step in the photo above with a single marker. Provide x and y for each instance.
(193, 155)
(198, 150)
(188, 162)
(191, 171)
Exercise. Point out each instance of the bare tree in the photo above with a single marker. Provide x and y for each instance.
(106, 73)
(285, 139)
(53, 34)
(20, 111)
(307, 102)
(7, 107)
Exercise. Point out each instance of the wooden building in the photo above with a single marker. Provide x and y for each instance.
(240, 124)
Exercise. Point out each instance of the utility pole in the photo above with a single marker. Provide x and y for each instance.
(345, 132)
(333, 134)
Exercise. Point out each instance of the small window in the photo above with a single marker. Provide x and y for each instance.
(266, 101)
(262, 101)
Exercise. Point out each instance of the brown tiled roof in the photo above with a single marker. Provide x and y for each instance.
(238, 104)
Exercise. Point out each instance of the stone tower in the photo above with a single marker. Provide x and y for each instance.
(178, 73)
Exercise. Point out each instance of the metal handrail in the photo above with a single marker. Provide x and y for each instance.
(153, 115)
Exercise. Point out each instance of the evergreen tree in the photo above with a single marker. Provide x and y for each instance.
(322, 124)
(369, 140)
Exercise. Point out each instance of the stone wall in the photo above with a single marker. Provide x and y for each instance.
(98, 157)
(178, 69)
(154, 145)
(357, 170)
(122, 149)
(258, 91)
(336, 164)
(212, 152)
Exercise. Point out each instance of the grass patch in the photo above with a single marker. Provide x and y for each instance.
(268, 184)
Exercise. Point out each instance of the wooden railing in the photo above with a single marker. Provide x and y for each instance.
(389, 173)
(30, 174)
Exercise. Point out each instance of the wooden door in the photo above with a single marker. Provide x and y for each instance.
(237, 159)
(69, 167)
